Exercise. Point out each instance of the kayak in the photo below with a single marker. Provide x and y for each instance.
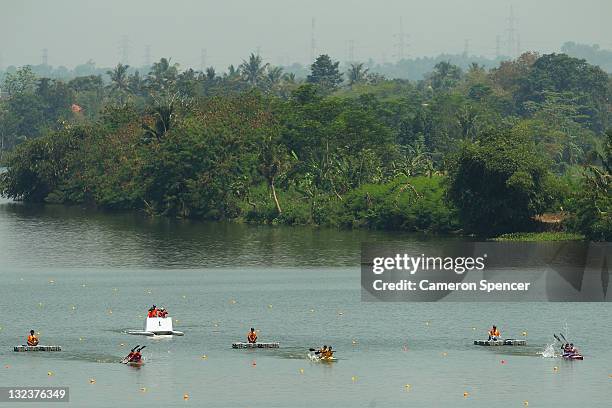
(136, 363)
(573, 356)
(315, 357)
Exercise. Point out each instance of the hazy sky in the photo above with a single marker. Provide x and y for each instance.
(74, 31)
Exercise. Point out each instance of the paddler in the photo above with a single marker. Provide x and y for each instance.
(252, 336)
(494, 334)
(135, 357)
(329, 353)
(322, 351)
(32, 339)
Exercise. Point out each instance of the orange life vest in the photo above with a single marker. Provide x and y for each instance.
(494, 333)
(32, 340)
(252, 337)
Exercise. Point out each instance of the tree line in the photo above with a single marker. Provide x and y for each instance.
(482, 151)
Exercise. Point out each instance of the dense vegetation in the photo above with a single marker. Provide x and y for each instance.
(477, 151)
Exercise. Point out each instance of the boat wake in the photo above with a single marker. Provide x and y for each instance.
(549, 352)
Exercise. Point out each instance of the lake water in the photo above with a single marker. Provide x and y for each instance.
(82, 277)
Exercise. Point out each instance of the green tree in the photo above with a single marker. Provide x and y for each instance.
(119, 84)
(357, 74)
(22, 81)
(445, 75)
(325, 72)
(253, 71)
(593, 202)
(499, 183)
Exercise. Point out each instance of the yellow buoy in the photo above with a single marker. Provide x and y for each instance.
(526, 403)
(407, 386)
(353, 378)
(122, 345)
(92, 380)
(110, 311)
(524, 333)
(73, 307)
(80, 339)
(143, 389)
(444, 354)
(49, 373)
(301, 371)
(354, 342)
(311, 310)
(51, 281)
(426, 323)
(233, 301)
(466, 394)
(185, 396)
(269, 306)
(555, 368)
(340, 313)
(204, 357)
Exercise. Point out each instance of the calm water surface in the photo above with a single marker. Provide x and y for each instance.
(81, 278)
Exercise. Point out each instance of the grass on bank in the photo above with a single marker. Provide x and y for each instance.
(539, 237)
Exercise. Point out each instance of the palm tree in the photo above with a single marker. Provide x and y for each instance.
(356, 73)
(253, 70)
(275, 74)
(119, 79)
(163, 75)
(211, 75)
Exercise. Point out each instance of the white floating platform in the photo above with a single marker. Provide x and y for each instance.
(507, 342)
(157, 326)
(24, 348)
(240, 345)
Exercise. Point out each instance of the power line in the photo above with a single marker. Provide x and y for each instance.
(497, 46)
(351, 51)
(124, 50)
(313, 43)
(402, 41)
(147, 56)
(511, 43)
(203, 59)
(466, 47)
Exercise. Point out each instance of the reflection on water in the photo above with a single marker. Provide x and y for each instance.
(74, 236)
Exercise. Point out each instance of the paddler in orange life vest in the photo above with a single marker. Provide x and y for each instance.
(32, 339)
(494, 334)
(153, 311)
(252, 336)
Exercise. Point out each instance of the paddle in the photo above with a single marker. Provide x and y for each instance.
(561, 334)
(316, 352)
(125, 359)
